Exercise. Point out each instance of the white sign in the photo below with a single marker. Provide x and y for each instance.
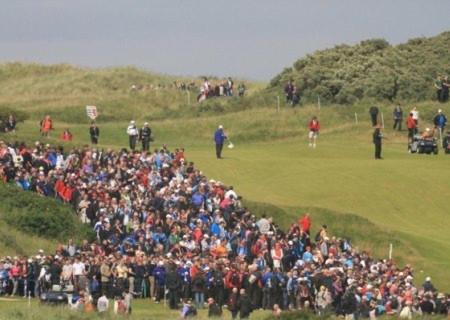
(91, 112)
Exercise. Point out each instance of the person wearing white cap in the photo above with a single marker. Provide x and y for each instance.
(219, 138)
(145, 134)
(440, 120)
(133, 134)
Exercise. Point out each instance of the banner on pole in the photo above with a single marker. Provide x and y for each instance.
(91, 112)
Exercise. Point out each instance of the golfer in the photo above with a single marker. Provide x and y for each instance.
(219, 138)
(314, 127)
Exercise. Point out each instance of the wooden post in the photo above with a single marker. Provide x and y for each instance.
(278, 103)
(390, 251)
(356, 118)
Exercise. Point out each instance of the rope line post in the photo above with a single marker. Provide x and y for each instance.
(382, 120)
(278, 103)
(318, 102)
(390, 251)
(356, 118)
(188, 97)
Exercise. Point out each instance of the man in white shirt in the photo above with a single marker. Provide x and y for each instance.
(263, 224)
(133, 134)
(78, 269)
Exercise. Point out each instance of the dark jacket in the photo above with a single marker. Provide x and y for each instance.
(377, 136)
(173, 281)
(94, 131)
(373, 110)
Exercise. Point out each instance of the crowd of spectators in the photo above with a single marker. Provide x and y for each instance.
(223, 88)
(164, 232)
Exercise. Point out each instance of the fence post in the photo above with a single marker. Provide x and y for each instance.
(278, 103)
(318, 102)
(390, 251)
(356, 118)
(382, 120)
(188, 97)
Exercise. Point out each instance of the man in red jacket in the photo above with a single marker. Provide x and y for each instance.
(411, 125)
(314, 128)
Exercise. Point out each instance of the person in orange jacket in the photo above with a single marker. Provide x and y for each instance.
(46, 126)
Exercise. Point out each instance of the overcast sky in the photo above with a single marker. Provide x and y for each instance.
(254, 39)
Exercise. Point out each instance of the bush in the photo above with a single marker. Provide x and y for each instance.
(6, 111)
(44, 217)
(370, 69)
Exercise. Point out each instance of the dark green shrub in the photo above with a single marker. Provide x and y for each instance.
(5, 111)
(38, 215)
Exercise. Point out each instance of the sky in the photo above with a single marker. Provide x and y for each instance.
(250, 39)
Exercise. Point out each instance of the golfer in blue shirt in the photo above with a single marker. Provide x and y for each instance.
(219, 138)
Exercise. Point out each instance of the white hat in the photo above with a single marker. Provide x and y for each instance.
(41, 251)
(220, 126)
(132, 122)
(145, 123)
(428, 279)
(440, 110)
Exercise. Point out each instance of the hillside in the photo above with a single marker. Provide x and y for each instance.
(122, 93)
(372, 69)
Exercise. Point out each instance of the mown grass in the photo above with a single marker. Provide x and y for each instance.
(141, 309)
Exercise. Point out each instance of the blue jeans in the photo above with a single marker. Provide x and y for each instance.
(199, 298)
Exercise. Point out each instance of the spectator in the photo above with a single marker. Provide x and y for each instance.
(377, 140)
(440, 120)
(10, 124)
(46, 125)
(412, 127)
(398, 117)
(214, 310)
(373, 111)
(288, 91)
(102, 304)
(133, 134)
(241, 89)
(145, 135)
(438, 86)
(94, 132)
(66, 135)
(314, 128)
(445, 89)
